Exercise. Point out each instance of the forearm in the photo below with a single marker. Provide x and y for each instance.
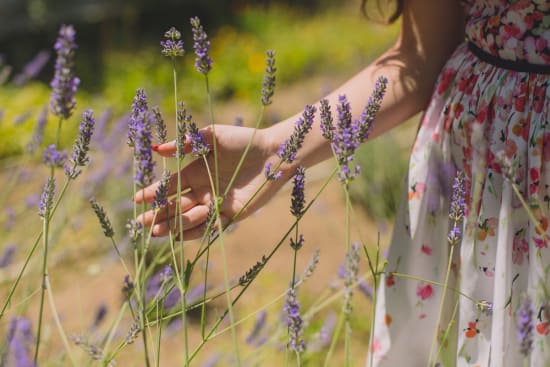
(411, 67)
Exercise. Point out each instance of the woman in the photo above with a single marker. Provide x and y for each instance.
(481, 70)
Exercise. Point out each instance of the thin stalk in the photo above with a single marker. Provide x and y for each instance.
(109, 337)
(33, 248)
(448, 329)
(268, 257)
(214, 138)
(334, 339)
(58, 322)
(441, 303)
(46, 226)
(143, 318)
(225, 272)
(203, 307)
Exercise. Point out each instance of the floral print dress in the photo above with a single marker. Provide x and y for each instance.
(490, 120)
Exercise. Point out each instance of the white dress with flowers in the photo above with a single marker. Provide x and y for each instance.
(489, 117)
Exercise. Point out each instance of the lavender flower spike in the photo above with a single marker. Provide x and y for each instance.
(199, 145)
(268, 85)
(103, 218)
(294, 322)
(525, 316)
(52, 157)
(183, 120)
(457, 208)
(139, 112)
(327, 126)
(38, 133)
(162, 191)
(46, 200)
(160, 125)
(19, 343)
(64, 83)
(173, 46)
(371, 109)
(143, 154)
(298, 198)
(350, 275)
(288, 150)
(203, 62)
(81, 146)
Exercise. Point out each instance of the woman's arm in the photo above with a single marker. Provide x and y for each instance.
(431, 30)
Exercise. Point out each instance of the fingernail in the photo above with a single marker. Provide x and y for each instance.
(155, 147)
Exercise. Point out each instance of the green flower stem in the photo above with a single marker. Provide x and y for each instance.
(58, 322)
(439, 284)
(225, 272)
(122, 262)
(335, 336)
(268, 257)
(203, 307)
(441, 303)
(33, 248)
(45, 230)
(448, 329)
(143, 318)
(106, 342)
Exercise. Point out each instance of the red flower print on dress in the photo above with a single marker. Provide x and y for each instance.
(424, 291)
(446, 78)
(520, 247)
(539, 98)
(533, 180)
(426, 250)
(471, 331)
(390, 280)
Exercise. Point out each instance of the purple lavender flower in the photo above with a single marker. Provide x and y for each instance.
(271, 175)
(103, 218)
(327, 125)
(524, 326)
(38, 133)
(100, 315)
(19, 343)
(486, 307)
(79, 157)
(350, 275)
(64, 83)
(259, 325)
(198, 144)
(348, 133)
(297, 244)
(268, 85)
(183, 120)
(310, 268)
(162, 191)
(137, 116)
(46, 200)
(53, 157)
(324, 336)
(371, 109)
(172, 46)
(102, 122)
(294, 322)
(143, 153)
(160, 126)
(457, 209)
(457, 201)
(201, 45)
(10, 218)
(288, 150)
(365, 288)
(7, 255)
(32, 68)
(297, 197)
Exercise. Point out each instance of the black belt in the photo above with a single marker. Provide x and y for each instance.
(518, 65)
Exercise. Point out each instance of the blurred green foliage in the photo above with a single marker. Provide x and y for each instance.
(326, 42)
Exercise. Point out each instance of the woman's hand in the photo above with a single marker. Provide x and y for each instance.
(196, 185)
